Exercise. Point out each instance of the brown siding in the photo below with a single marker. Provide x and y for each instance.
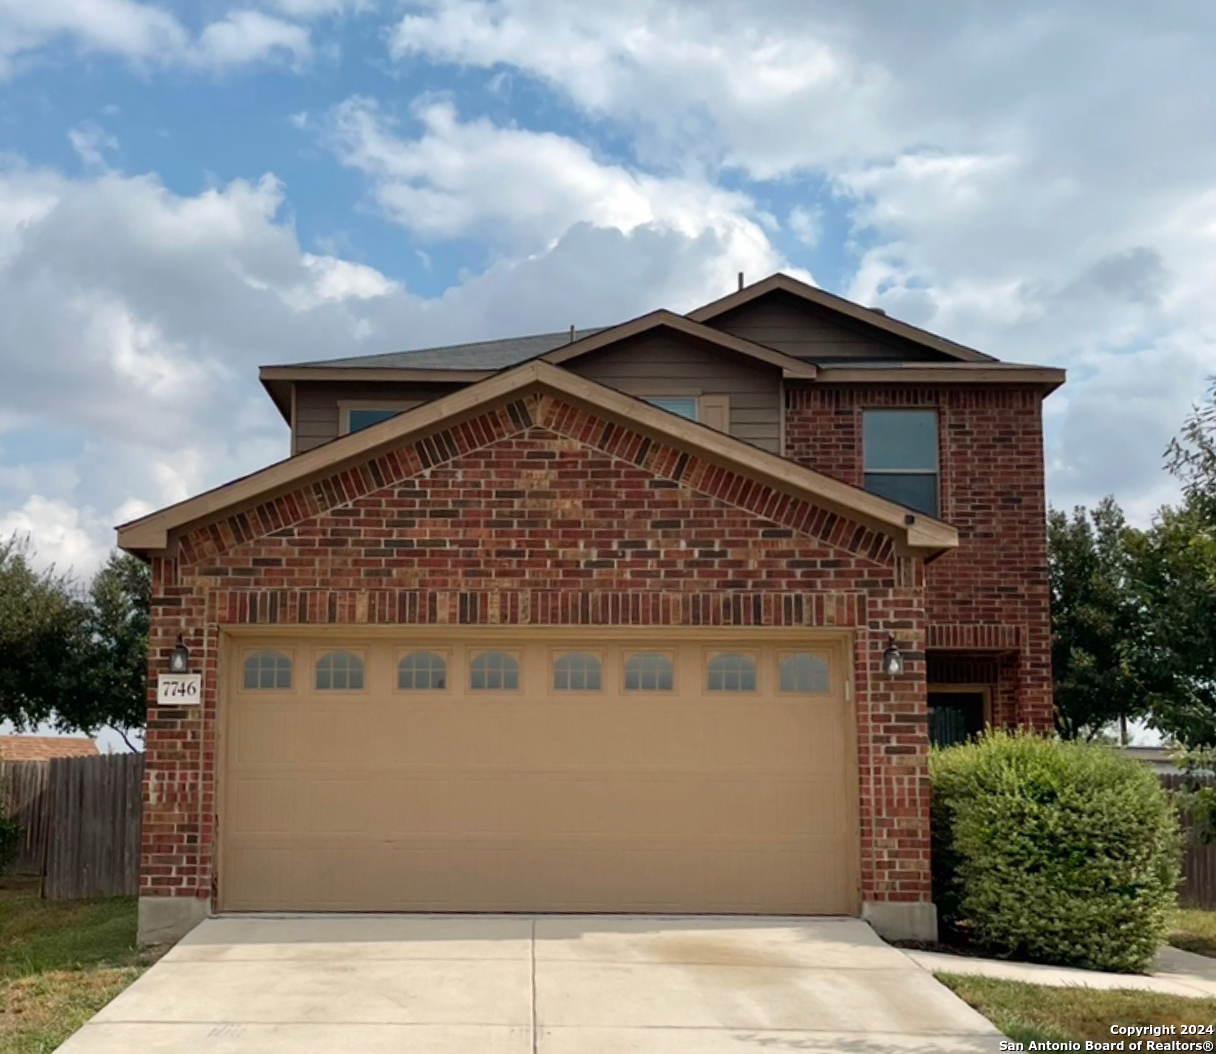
(655, 365)
(808, 332)
(317, 415)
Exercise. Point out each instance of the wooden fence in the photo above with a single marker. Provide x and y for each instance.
(1198, 889)
(81, 823)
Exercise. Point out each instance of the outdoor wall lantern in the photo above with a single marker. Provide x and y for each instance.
(180, 659)
(892, 659)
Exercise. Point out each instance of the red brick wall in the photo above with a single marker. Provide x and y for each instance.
(992, 592)
(539, 513)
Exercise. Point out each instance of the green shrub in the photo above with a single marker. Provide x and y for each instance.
(1053, 852)
(10, 841)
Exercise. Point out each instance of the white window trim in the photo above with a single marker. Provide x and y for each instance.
(346, 405)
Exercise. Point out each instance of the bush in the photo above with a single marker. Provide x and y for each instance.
(1053, 852)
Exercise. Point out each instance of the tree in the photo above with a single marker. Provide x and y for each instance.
(1096, 621)
(72, 657)
(116, 660)
(1176, 576)
(1175, 571)
(42, 628)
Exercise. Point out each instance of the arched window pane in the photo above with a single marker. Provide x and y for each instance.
(649, 671)
(577, 671)
(732, 673)
(340, 671)
(804, 673)
(268, 669)
(494, 670)
(422, 670)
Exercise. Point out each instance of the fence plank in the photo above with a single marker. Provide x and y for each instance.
(26, 801)
(94, 820)
(1198, 888)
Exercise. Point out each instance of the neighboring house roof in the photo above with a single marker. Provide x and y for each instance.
(44, 748)
(868, 316)
(919, 533)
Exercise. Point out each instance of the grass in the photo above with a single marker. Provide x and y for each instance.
(1035, 1012)
(60, 962)
(1194, 930)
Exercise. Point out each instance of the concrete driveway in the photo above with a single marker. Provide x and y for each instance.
(487, 984)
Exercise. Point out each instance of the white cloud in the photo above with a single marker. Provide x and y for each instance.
(144, 33)
(521, 191)
(63, 536)
(757, 85)
(90, 142)
(310, 9)
(245, 37)
(150, 312)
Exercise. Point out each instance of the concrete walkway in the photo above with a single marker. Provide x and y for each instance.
(534, 985)
(1175, 973)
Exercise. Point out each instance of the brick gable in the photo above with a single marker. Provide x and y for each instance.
(540, 512)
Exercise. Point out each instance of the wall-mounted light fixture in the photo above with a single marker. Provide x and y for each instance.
(179, 661)
(892, 659)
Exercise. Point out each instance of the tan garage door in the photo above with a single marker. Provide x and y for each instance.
(488, 774)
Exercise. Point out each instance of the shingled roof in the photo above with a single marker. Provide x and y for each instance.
(481, 355)
(44, 748)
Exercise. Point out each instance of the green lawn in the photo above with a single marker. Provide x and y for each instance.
(1194, 930)
(60, 962)
(1026, 1012)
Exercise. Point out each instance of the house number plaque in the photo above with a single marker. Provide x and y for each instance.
(179, 689)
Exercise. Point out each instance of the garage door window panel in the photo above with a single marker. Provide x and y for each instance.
(422, 671)
(267, 671)
(650, 671)
(731, 672)
(339, 671)
(577, 671)
(804, 672)
(494, 671)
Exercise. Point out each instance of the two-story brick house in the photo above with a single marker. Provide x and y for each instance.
(651, 618)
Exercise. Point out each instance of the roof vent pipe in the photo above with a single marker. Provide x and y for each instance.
(740, 280)
(572, 334)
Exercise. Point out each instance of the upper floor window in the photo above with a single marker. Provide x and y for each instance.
(680, 405)
(900, 453)
(358, 419)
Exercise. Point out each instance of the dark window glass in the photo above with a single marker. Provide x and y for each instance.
(361, 419)
(900, 455)
(268, 669)
(649, 672)
(955, 717)
(681, 406)
(340, 671)
(494, 670)
(577, 671)
(732, 673)
(901, 440)
(916, 491)
(422, 670)
(804, 673)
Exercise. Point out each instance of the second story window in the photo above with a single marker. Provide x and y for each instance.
(680, 405)
(359, 419)
(901, 463)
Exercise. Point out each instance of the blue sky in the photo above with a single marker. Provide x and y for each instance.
(189, 191)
